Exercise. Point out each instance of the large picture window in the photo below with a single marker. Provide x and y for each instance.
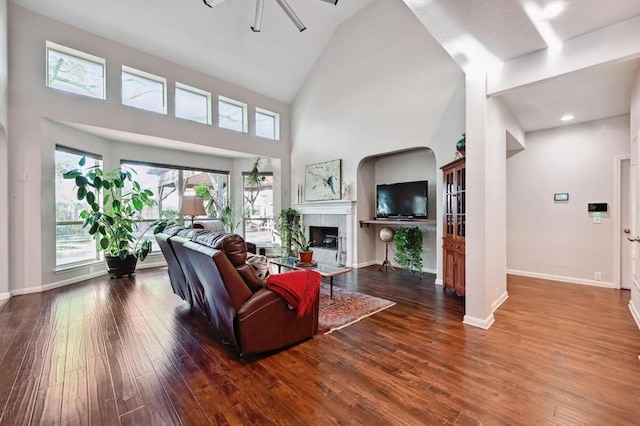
(258, 208)
(170, 183)
(74, 71)
(73, 243)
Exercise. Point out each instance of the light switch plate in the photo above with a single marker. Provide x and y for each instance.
(597, 219)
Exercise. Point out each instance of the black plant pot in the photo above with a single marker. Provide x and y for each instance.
(118, 268)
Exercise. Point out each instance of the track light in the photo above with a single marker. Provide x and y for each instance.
(257, 24)
(291, 14)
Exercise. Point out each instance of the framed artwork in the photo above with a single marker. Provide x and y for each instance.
(322, 181)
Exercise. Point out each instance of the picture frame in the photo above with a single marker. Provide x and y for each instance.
(323, 181)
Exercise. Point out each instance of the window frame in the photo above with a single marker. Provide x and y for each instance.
(245, 113)
(99, 254)
(267, 221)
(49, 46)
(276, 123)
(195, 91)
(147, 76)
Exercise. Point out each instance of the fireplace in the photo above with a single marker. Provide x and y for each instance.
(324, 236)
(334, 246)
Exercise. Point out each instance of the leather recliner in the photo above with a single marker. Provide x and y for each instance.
(215, 279)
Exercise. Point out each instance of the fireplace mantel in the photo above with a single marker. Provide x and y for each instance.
(326, 207)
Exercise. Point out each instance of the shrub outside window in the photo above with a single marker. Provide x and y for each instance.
(143, 90)
(73, 242)
(74, 71)
(232, 114)
(193, 104)
(267, 124)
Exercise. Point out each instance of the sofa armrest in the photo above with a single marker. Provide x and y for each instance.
(265, 322)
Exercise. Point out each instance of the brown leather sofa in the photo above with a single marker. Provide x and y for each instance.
(209, 271)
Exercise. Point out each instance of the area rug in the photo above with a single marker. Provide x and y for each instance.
(346, 308)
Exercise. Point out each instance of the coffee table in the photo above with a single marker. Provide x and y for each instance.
(324, 269)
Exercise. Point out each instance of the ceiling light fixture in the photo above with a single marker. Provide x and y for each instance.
(567, 117)
(291, 14)
(257, 23)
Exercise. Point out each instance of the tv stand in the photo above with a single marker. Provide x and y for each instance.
(412, 222)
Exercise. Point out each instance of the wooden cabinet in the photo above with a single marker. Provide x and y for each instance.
(454, 222)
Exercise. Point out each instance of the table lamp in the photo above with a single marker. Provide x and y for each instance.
(193, 206)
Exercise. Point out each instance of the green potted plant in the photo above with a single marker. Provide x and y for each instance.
(304, 246)
(288, 226)
(115, 201)
(408, 245)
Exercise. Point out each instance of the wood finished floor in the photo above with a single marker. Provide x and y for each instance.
(127, 352)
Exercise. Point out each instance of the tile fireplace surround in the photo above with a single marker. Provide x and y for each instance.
(338, 213)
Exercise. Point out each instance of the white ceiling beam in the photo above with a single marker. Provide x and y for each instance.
(616, 43)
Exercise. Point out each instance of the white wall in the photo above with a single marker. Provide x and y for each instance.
(634, 303)
(34, 108)
(382, 85)
(4, 153)
(558, 240)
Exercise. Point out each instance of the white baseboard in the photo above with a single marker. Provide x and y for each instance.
(4, 296)
(51, 286)
(365, 264)
(499, 301)
(141, 265)
(478, 322)
(634, 313)
(438, 281)
(571, 280)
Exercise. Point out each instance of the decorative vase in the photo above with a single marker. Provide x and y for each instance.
(462, 144)
(306, 256)
(118, 268)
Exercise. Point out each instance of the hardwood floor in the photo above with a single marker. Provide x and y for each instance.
(131, 352)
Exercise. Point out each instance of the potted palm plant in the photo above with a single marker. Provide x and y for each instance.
(115, 201)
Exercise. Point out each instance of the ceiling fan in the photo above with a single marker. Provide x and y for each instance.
(257, 24)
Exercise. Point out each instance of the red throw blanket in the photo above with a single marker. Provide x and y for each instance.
(299, 288)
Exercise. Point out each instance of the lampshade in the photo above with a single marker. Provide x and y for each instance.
(192, 205)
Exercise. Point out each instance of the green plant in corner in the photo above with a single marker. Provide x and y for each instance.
(115, 201)
(408, 247)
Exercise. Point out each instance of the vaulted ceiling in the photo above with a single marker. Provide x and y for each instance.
(276, 61)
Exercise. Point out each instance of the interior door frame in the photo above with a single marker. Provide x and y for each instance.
(617, 217)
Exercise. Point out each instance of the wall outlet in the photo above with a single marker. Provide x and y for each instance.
(597, 276)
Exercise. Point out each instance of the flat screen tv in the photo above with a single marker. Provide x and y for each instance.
(402, 201)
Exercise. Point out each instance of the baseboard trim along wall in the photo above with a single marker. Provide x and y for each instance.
(499, 301)
(51, 286)
(142, 265)
(365, 264)
(438, 281)
(4, 296)
(634, 313)
(477, 322)
(571, 280)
